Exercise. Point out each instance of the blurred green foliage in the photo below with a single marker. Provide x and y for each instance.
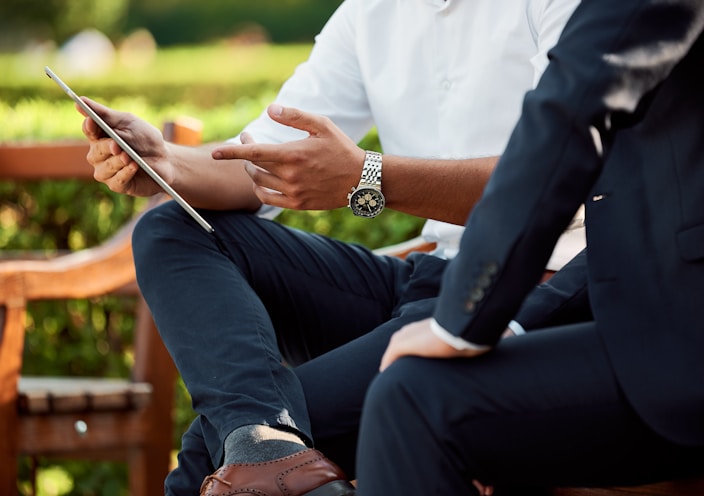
(94, 337)
(172, 22)
(218, 77)
(183, 21)
(23, 21)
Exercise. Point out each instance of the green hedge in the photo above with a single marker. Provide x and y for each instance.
(172, 22)
(178, 22)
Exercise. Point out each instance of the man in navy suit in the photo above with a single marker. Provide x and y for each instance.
(609, 389)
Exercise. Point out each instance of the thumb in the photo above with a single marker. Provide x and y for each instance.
(98, 108)
(112, 117)
(292, 117)
(90, 127)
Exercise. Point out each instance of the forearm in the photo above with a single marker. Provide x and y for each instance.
(318, 172)
(444, 190)
(208, 183)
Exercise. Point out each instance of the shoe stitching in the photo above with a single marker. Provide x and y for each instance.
(242, 490)
(211, 478)
(268, 462)
(284, 488)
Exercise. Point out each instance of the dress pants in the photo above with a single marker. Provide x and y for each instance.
(541, 409)
(270, 325)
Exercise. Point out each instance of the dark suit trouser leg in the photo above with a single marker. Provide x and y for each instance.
(193, 463)
(542, 409)
(335, 383)
(230, 306)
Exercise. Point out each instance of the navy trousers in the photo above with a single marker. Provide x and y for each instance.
(542, 409)
(270, 325)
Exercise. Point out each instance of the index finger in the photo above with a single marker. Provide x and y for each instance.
(254, 152)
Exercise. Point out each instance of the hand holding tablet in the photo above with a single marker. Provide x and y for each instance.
(130, 151)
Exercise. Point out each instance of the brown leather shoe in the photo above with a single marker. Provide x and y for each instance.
(307, 473)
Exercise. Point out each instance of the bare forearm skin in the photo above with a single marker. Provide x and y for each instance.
(211, 184)
(444, 190)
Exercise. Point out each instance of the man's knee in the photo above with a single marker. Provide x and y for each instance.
(391, 391)
(162, 222)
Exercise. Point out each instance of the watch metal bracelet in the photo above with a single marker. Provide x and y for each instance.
(371, 171)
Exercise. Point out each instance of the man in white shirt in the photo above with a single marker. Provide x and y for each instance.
(442, 81)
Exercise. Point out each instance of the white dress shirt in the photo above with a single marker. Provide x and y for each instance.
(438, 79)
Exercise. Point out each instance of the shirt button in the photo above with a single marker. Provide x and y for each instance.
(446, 84)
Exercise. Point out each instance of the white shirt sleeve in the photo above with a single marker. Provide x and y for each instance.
(460, 344)
(328, 83)
(454, 341)
(547, 19)
(516, 328)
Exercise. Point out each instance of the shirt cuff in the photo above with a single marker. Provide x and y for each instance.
(516, 328)
(454, 341)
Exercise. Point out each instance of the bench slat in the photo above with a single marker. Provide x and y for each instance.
(41, 395)
(684, 487)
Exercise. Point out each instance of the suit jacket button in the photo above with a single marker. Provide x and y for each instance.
(476, 294)
(491, 268)
(483, 281)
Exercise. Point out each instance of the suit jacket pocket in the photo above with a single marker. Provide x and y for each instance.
(690, 243)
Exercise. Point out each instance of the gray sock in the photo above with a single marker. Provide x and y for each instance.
(260, 443)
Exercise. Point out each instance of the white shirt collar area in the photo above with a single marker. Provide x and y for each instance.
(439, 4)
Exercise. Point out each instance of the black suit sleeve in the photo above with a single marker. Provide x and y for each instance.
(562, 299)
(610, 56)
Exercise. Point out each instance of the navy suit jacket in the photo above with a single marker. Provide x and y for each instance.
(616, 122)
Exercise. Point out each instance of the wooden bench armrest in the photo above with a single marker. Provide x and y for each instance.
(91, 272)
(32, 162)
(403, 249)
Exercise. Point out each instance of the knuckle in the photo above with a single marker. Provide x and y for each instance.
(297, 156)
(297, 204)
(296, 192)
(254, 154)
(289, 175)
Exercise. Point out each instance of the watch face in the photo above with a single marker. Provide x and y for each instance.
(367, 202)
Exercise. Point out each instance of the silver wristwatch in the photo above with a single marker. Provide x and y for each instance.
(367, 200)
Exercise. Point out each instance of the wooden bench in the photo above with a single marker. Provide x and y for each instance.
(82, 418)
(684, 487)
